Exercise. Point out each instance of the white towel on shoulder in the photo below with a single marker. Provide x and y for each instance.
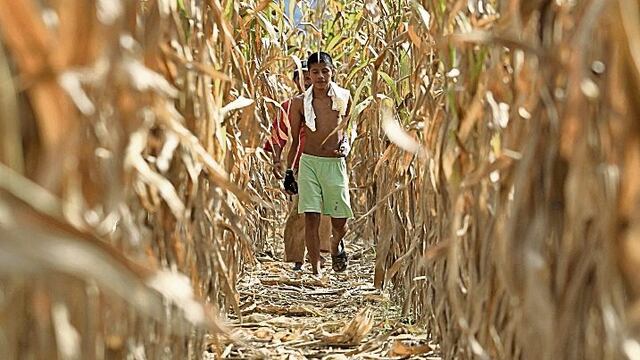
(339, 100)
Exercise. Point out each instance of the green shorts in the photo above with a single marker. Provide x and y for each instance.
(323, 186)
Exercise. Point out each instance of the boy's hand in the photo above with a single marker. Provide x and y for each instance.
(290, 184)
(277, 170)
(343, 150)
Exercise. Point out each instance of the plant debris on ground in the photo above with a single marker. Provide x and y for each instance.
(287, 314)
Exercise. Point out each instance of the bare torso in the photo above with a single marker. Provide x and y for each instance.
(325, 140)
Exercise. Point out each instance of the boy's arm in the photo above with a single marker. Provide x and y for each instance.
(276, 157)
(277, 153)
(345, 143)
(295, 119)
(274, 145)
(279, 138)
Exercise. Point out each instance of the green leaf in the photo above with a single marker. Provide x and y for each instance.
(390, 82)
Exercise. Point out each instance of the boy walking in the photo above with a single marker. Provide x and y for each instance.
(294, 243)
(322, 176)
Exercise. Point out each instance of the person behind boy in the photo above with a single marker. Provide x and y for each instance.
(322, 176)
(294, 241)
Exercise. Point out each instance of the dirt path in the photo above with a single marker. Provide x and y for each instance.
(295, 315)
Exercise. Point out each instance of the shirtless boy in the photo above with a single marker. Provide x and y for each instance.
(322, 176)
(294, 242)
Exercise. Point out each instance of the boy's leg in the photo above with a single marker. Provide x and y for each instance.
(310, 203)
(339, 258)
(339, 229)
(312, 223)
(337, 204)
(325, 233)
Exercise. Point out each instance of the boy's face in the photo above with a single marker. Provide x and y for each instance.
(321, 75)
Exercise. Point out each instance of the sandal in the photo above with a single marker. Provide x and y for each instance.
(340, 260)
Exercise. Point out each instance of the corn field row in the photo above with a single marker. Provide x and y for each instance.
(496, 171)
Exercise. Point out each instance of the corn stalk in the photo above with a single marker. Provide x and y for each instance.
(522, 245)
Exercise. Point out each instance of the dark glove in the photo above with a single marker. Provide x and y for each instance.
(290, 183)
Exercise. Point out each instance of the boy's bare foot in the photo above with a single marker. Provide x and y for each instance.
(323, 260)
(316, 268)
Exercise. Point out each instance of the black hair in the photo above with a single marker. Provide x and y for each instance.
(320, 57)
(296, 73)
